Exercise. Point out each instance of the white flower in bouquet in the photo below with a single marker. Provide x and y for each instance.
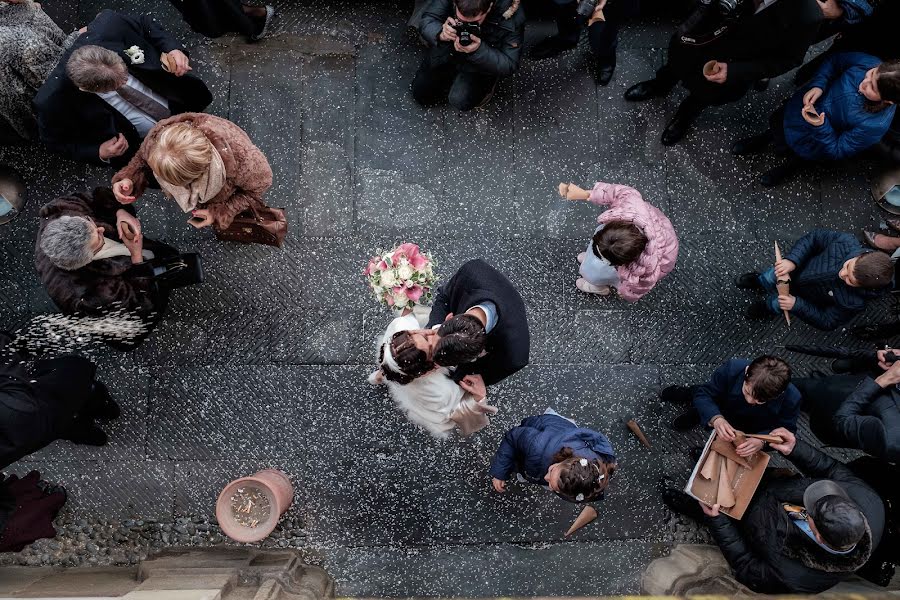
(388, 279)
(404, 272)
(402, 277)
(401, 299)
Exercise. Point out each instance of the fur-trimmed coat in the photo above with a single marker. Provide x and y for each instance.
(769, 554)
(247, 171)
(658, 259)
(101, 284)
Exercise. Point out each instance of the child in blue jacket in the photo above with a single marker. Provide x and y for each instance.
(552, 451)
(845, 108)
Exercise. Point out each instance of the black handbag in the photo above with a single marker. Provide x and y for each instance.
(171, 272)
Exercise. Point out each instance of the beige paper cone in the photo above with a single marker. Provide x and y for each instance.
(727, 450)
(587, 515)
(731, 468)
(711, 68)
(739, 438)
(711, 466)
(168, 64)
(597, 16)
(725, 495)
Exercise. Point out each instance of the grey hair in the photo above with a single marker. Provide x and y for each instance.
(67, 242)
(96, 69)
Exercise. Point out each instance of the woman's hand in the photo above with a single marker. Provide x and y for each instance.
(810, 116)
(205, 218)
(750, 447)
(812, 96)
(474, 384)
(122, 190)
(124, 220)
(570, 191)
(724, 429)
(499, 485)
(783, 268)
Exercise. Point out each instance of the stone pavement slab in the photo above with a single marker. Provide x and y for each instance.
(264, 365)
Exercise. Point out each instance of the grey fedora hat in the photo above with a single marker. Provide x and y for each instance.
(12, 195)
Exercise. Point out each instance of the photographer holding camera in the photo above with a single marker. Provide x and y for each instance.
(726, 46)
(602, 18)
(473, 43)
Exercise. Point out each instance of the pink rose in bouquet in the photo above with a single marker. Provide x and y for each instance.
(402, 277)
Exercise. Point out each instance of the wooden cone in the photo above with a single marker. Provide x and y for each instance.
(725, 495)
(783, 288)
(587, 515)
(633, 426)
(710, 466)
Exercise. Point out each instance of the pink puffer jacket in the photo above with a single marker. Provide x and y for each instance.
(658, 259)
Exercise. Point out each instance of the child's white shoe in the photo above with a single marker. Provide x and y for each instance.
(581, 257)
(585, 286)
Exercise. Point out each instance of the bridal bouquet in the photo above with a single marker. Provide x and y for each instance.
(402, 277)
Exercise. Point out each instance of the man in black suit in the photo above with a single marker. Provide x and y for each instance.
(111, 87)
(763, 39)
(483, 330)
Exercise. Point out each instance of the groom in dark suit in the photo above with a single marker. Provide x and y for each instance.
(111, 87)
(480, 303)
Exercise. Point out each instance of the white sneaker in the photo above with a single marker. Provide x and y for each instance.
(585, 286)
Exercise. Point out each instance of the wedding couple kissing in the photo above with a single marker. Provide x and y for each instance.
(476, 335)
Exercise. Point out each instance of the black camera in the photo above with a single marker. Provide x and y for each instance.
(711, 19)
(465, 30)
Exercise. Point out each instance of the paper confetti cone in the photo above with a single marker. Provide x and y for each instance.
(587, 515)
(711, 466)
(725, 496)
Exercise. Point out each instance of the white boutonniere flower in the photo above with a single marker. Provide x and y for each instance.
(135, 54)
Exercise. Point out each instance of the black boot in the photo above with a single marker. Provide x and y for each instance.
(102, 405)
(753, 144)
(749, 281)
(878, 332)
(87, 434)
(604, 69)
(652, 88)
(776, 175)
(684, 117)
(681, 503)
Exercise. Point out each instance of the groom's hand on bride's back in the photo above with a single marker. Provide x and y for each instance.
(474, 384)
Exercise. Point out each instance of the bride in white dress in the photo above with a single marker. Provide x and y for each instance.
(431, 400)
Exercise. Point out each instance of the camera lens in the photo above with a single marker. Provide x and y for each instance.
(465, 38)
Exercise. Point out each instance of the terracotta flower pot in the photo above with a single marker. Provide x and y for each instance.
(249, 508)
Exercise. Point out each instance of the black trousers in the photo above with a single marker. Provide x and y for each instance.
(602, 35)
(214, 18)
(822, 396)
(685, 64)
(440, 80)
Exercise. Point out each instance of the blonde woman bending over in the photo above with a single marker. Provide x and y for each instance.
(206, 164)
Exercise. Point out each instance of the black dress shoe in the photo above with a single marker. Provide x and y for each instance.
(686, 420)
(551, 47)
(646, 90)
(758, 310)
(88, 435)
(749, 281)
(752, 145)
(676, 393)
(679, 125)
(877, 332)
(102, 404)
(776, 175)
(681, 503)
(603, 70)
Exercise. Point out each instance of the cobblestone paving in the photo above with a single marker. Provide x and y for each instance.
(265, 364)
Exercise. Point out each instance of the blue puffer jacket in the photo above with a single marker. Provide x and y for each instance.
(849, 128)
(823, 299)
(529, 448)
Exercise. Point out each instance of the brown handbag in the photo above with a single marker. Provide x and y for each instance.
(267, 226)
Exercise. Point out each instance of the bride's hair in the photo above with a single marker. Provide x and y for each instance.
(461, 339)
(411, 361)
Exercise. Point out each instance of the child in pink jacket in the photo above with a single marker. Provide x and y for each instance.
(634, 247)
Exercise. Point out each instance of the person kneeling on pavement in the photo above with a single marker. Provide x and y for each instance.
(59, 400)
(92, 257)
(831, 277)
(472, 44)
(800, 534)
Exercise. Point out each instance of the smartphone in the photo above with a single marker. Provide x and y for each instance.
(195, 220)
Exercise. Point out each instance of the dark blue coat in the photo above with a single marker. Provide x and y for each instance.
(529, 448)
(849, 128)
(823, 299)
(723, 395)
